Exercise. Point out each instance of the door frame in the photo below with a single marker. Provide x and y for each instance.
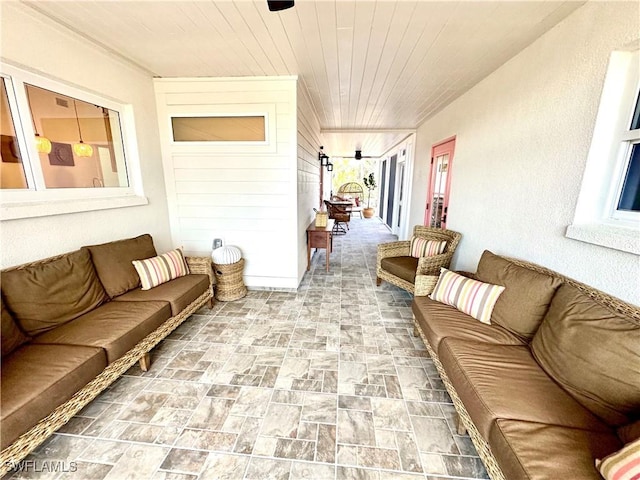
(438, 149)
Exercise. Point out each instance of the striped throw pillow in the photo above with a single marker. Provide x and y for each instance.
(156, 270)
(623, 464)
(469, 296)
(421, 247)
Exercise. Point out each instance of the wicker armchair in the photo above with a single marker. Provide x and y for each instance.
(427, 268)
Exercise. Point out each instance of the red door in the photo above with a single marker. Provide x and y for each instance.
(439, 184)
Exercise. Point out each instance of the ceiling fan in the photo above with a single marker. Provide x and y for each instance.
(358, 155)
(276, 6)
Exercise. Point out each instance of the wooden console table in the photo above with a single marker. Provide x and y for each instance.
(319, 237)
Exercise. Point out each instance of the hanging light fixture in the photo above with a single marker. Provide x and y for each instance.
(81, 149)
(43, 144)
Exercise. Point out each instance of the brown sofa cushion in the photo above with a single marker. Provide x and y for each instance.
(402, 267)
(439, 321)
(505, 382)
(43, 296)
(526, 298)
(629, 433)
(113, 262)
(38, 378)
(594, 353)
(536, 451)
(115, 326)
(179, 292)
(10, 335)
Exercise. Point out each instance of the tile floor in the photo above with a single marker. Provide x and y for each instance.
(323, 383)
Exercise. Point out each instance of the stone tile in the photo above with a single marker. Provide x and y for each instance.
(185, 461)
(433, 435)
(139, 461)
(221, 466)
(378, 458)
(247, 436)
(281, 420)
(356, 427)
(86, 471)
(461, 466)
(390, 414)
(409, 456)
(312, 471)
(295, 449)
(353, 473)
(206, 440)
(211, 413)
(326, 445)
(319, 408)
(433, 463)
(267, 469)
(354, 403)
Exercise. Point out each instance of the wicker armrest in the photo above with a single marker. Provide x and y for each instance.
(431, 265)
(424, 285)
(393, 249)
(201, 265)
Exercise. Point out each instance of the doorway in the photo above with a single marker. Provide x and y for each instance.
(439, 186)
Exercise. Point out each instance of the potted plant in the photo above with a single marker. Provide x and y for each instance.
(370, 184)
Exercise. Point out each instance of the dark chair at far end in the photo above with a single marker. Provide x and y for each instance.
(398, 265)
(340, 215)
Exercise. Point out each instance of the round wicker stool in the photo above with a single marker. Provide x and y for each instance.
(229, 283)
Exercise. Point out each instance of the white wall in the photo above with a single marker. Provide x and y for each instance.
(242, 192)
(523, 135)
(31, 40)
(309, 143)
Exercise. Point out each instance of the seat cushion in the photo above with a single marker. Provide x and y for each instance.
(113, 262)
(526, 298)
(536, 451)
(594, 353)
(36, 379)
(179, 292)
(10, 335)
(115, 326)
(53, 292)
(505, 382)
(439, 321)
(402, 267)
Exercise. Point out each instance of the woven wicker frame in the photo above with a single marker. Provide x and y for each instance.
(428, 267)
(229, 282)
(28, 441)
(631, 312)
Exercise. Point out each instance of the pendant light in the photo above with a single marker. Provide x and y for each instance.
(81, 149)
(43, 144)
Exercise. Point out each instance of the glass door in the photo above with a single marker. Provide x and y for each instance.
(439, 184)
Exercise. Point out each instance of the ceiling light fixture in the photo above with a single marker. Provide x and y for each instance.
(81, 149)
(43, 144)
(276, 6)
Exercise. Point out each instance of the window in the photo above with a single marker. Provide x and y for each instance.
(219, 129)
(60, 145)
(608, 208)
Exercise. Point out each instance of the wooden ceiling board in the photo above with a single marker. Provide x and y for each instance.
(367, 65)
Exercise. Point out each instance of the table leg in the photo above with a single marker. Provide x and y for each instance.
(308, 252)
(328, 248)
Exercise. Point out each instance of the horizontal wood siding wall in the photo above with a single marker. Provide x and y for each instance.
(242, 192)
(308, 172)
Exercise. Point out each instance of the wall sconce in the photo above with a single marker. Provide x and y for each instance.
(329, 167)
(324, 159)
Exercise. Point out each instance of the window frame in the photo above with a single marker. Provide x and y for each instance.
(597, 219)
(36, 200)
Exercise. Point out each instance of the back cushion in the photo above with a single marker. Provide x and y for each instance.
(593, 353)
(629, 433)
(43, 296)
(11, 335)
(526, 298)
(113, 262)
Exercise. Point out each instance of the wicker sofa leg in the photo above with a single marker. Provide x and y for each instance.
(460, 428)
(145, 362)
(210, 303)
(378, 281)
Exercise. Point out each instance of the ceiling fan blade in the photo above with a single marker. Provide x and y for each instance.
(276, 6)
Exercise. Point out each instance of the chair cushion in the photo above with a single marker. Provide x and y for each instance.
(594, 353)
(527, 296)
(51, 293)
(179, 292)
(439, 321)
(155, 271)
(537, 451)
(505, 382)
(35, 379)
(467, 295)
(629, 433)
(113, 262)
(11, 336)
(402, 267)
(115, 326)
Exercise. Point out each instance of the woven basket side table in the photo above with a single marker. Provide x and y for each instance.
(229, 282)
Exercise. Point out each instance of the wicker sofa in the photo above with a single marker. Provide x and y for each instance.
(72, 324)
(552, 384)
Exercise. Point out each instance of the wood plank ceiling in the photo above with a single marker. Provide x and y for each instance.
(373, 69)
